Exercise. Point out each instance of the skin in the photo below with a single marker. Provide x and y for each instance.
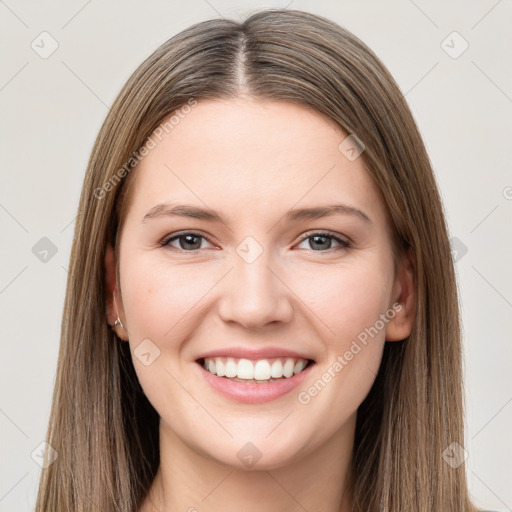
(253, 161)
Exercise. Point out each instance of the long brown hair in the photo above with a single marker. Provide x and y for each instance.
(101, 424)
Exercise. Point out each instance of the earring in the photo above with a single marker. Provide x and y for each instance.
(118, 320)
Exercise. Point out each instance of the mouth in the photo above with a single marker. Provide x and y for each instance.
(261, 371)
(252, 382)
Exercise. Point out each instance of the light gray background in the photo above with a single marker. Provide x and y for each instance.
(52, 110)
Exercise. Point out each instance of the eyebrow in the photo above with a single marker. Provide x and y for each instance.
(194, 212)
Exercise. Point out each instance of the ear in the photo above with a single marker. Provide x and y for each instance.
(404, 293)
(114, 309)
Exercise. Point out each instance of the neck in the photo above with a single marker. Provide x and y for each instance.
(191, 481)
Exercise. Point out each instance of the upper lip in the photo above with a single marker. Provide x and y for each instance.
(254, 353)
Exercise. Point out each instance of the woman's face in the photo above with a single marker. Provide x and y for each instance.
(265, 283)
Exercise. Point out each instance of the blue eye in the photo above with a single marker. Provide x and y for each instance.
(190, 241)
(319, 240)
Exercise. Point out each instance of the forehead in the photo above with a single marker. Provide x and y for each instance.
(245, 155)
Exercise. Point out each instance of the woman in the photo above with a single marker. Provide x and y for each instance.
(261, 312)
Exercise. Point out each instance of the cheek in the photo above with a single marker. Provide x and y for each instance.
(158, 296)
(347, 299)
(161, 302)
(350, 303)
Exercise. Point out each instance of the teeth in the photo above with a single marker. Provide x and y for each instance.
(261, 370)
(245, 369)
(288, 368)
(299, 366)
(230, 368)
(277, 369)
(220, 368)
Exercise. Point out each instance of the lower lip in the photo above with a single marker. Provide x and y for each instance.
(252, 392)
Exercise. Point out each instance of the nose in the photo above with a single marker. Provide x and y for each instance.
(254, 295)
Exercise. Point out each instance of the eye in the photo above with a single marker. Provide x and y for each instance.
(323, 240)
(188, 241)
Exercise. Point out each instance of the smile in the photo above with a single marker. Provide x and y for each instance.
(262, 370)
(254, 381)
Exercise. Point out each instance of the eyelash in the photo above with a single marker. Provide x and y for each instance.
(345, 244)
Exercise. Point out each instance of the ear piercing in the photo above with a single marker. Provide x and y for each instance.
(118, 320)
